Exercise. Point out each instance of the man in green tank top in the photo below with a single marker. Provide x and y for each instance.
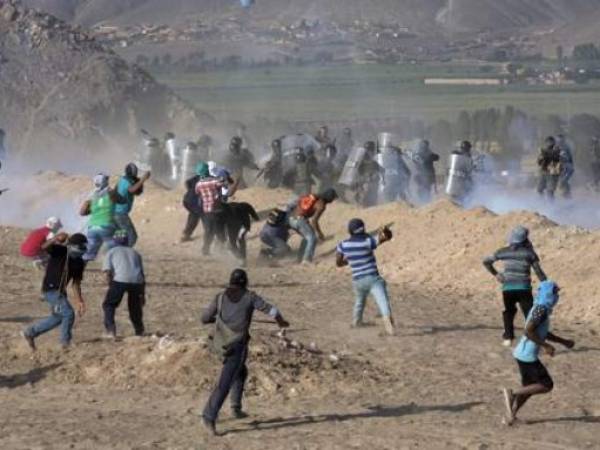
(100, 207)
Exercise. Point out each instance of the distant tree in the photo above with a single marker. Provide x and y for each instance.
(440, 134)
(462, 127)
(582, 128)
(560, 53)
(142, 60)
(586, 52)
(167, 59)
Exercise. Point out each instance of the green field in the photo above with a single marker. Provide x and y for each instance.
(367, 91)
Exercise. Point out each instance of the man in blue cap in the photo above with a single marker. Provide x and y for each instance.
(518, 258)
(534, 377)
(358, 253)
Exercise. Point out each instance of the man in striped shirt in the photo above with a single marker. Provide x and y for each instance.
(357, 252)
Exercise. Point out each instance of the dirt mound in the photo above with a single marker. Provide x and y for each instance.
(60, 90)
(278, 365)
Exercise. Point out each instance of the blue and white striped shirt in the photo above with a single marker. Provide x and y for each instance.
(358, 251)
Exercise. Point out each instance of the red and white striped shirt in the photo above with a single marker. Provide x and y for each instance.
(210, 192)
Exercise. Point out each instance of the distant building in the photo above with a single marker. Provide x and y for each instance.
(464, 81)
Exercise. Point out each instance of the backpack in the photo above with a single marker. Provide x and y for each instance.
(224, 336)
(306, 204)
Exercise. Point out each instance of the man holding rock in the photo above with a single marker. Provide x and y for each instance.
(231, 312)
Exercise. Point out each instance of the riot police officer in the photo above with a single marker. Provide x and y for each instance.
(549, 162)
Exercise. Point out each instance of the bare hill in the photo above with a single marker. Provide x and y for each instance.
(58, 88)
(418, 14)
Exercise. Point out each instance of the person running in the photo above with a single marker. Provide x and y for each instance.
(535, 378)
(358, 253)
(124, 271)
(128, 187)
(231, 311)
(101, 208)
(65, 266)
(304, 219)
(518, 258)
(32, 246)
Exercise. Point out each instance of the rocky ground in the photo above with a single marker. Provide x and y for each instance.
(435, 385)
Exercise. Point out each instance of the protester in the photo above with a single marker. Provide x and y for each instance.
(535, 378)
(124, 271)
(305, 220)
(275, 235)
(358, 253)
(128, 187)
(192, 202)
(231, 312)
(213, 209)
(101, 208)
(518, 258)
(65, 265)
(32, 246)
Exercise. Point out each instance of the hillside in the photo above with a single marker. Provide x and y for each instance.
(420, 15)
(59, 89)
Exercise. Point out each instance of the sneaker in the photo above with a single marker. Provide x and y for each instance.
(185, 239)
(109, 336)
(507, 342)
(388, 326)
(209, 426)
(509, 399)
(357, 324)
(237, 413)
(30, 341)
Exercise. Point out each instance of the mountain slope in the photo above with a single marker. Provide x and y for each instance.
(418, 14)
(59, 88)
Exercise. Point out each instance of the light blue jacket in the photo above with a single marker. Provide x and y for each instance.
(527, 350)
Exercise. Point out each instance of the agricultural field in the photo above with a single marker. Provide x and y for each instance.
(368, 91)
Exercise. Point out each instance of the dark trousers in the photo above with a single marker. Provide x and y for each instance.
(214, 225)
(231, 381)
(192, 223)
(524, 299)
(135, 303)
(547, 183)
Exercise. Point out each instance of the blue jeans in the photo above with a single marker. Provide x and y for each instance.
(97, 236)
(376, 286)
(306, 252)
(61, 313)
(124, 222)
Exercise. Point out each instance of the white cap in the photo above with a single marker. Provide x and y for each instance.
(54, 223)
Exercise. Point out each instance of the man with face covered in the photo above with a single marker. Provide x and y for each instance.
(128, 187)
(65, 266)
(238, 159)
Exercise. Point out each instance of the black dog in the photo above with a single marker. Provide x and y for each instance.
(238, 222)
